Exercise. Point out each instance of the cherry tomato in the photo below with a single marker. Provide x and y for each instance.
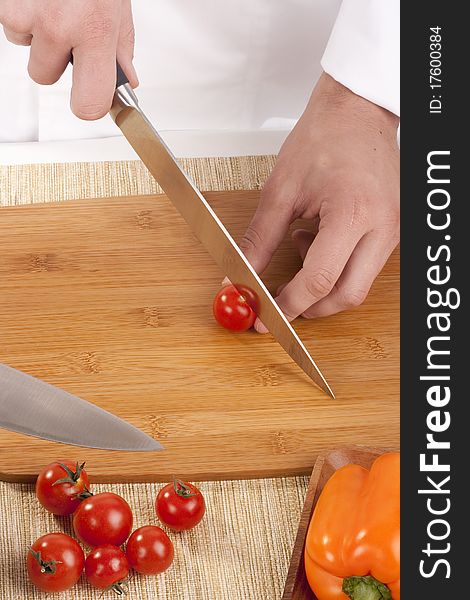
(106, 567)
(103, 519)
(55, 562)
(149, 550)
(235, 309)
(180, 505)
(61, 486)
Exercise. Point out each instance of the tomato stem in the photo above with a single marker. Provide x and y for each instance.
(84, 495)
(182, 489)
(47, 566)
(120, 588)
(72, 476)
(365, 588)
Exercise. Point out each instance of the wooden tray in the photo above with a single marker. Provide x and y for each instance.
(111, 300)
(327, 463)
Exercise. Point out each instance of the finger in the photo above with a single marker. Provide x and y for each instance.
(20, 39)
(125, 46)
(325, 260)
(94, 82)
(94, 72)
(260, 327)
(302, 240)
(47, 60)
(264, 234)
(267, 229)
(351, 289)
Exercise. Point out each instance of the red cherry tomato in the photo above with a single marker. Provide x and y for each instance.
(55, 562)
(180, 505)
(61, 486)
(149, 550)
(106, 567)
(103, 519)
(235, 309)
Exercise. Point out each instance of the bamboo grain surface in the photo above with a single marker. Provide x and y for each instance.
(111, 300)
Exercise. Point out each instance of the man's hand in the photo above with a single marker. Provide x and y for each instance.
(96, 32)
(339, 167)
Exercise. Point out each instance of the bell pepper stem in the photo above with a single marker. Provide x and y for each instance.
(365, 588)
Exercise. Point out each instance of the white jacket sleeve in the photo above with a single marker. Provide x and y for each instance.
(363, 52)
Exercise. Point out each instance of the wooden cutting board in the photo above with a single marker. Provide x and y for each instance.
(112, 300)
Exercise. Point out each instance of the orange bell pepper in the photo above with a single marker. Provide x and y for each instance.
(352, 550)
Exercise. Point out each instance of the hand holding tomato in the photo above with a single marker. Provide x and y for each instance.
(55, 562)
(180, 505)
(61, 486)
(340, 169)
(103, 519)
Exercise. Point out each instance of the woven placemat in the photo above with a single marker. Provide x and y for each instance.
(241, 549)
(21, 184)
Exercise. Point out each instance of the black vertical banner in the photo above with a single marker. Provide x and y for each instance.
(435, 250)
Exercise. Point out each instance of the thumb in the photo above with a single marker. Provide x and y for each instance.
(267, 229)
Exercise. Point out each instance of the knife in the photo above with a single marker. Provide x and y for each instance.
(34, 407)
(203, 221)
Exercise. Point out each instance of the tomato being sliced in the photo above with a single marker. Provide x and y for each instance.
(103, 519)
(61, 486)
(180, 505)
(55, 562)
(149, 550)
(106, 567)
(235, 309)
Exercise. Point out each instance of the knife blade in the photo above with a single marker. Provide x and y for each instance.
(204, 222)
(34, 407)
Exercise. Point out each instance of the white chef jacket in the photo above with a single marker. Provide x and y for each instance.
(243, 65)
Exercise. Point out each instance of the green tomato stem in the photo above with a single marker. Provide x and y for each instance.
(72, 476)
(47, 566)
(365, 588)
(182, 489)
(120, 588)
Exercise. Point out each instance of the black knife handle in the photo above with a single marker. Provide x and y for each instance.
(121, 78)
